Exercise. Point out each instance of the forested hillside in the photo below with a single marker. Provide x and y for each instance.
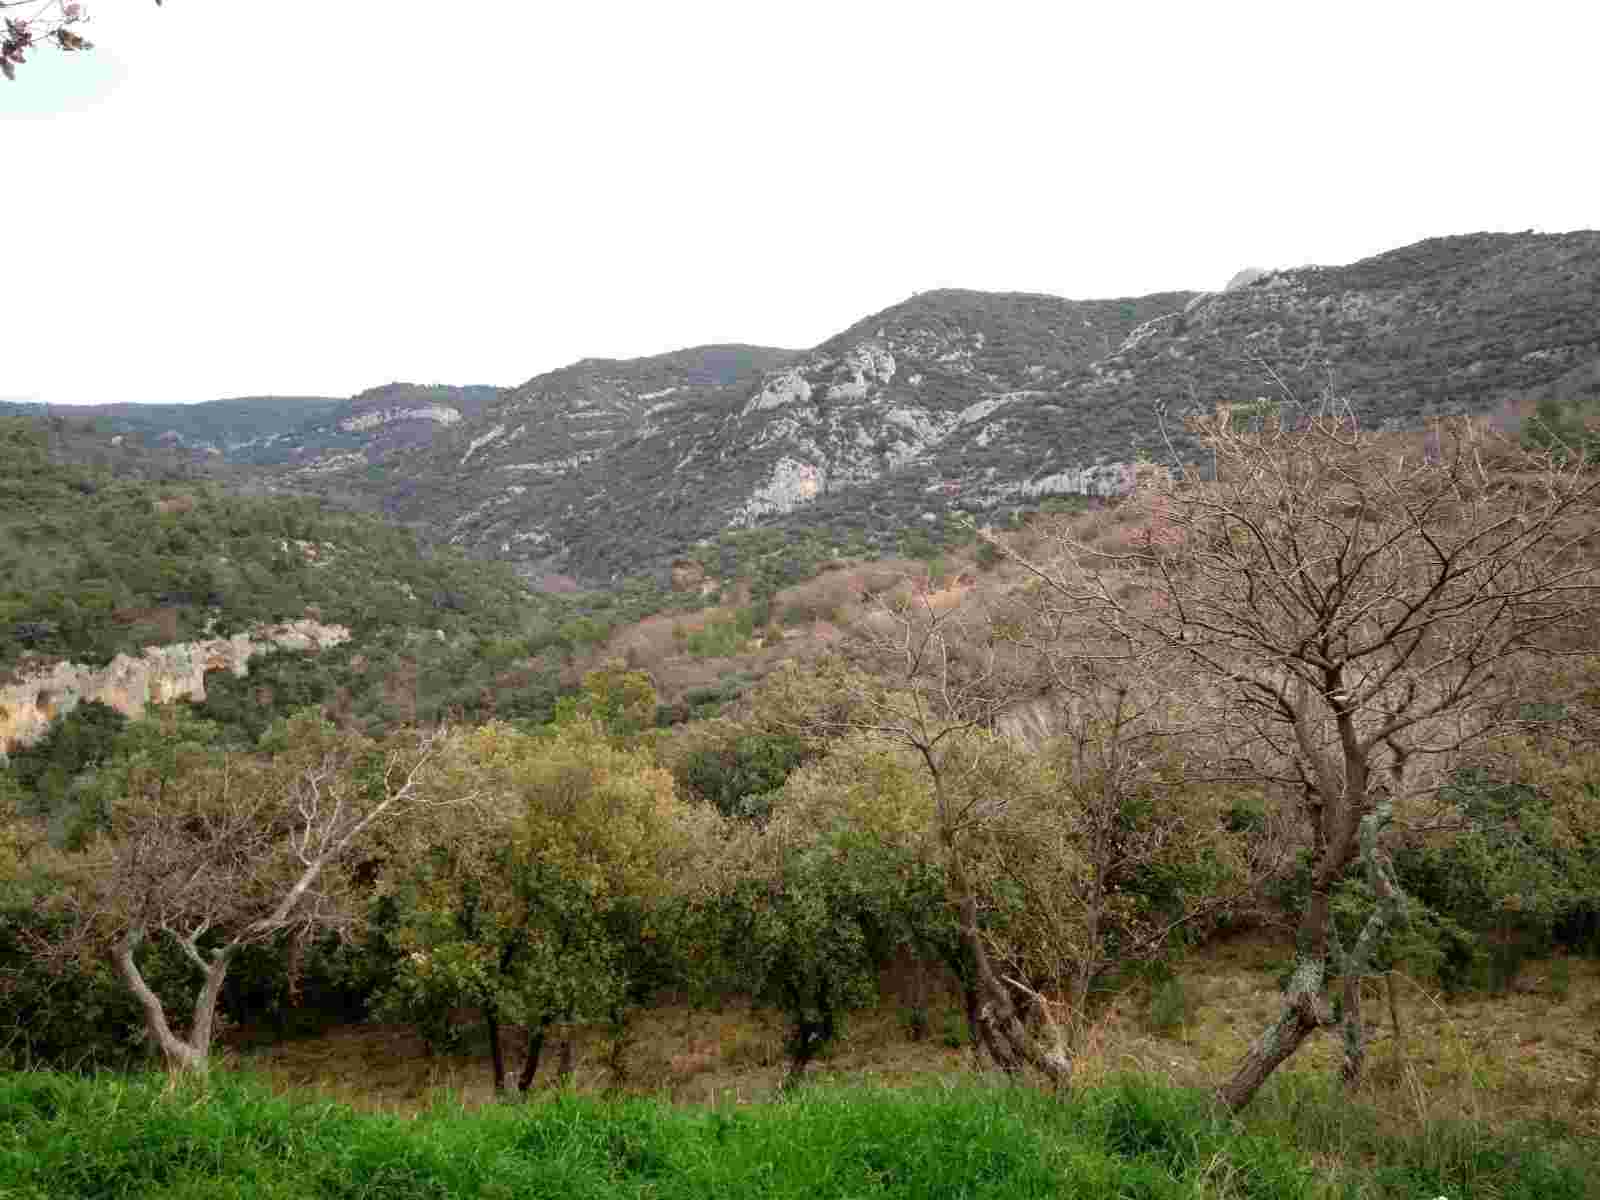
(94, 561)
(110, 551)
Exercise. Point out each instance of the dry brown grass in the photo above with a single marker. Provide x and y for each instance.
(818, 611)
(1527, 1055)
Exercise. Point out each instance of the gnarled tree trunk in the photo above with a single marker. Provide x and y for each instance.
(1388, 912)
(1002, 1010)
(191, 1054)
(1305, 1008)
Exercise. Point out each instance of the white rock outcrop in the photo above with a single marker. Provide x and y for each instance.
(791, 484)
(1104, 479)
(480, 442)
(159, 675)
(867, 364)
(786, 387)
(442, 413)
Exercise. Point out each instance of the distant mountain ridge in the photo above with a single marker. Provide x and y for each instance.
(284, 430)
(222, 426)
(950, 402)
(959, 401)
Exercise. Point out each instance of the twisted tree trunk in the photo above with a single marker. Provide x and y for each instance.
(188, 1055)
(1388, 912)
(1305, 1007)
(1001, 1020)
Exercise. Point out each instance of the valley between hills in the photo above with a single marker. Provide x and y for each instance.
(1186, 704)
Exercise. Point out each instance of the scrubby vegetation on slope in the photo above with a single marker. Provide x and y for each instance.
(1026, 803)
(94, 562)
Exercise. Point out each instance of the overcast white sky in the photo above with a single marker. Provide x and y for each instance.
(234, 197)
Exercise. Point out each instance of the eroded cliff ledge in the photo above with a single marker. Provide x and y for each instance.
(159, 675)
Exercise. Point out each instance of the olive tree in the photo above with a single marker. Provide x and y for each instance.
(813, 903)
(544, 901)
(928, 682)
(214, 852)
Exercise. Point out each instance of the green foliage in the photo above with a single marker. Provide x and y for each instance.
(534, 903)
(1171, 1006)
(83, 738)
(1514, 884)
(769, 558)
(810, 924)
(740, 774)
(1314, 1116)
(93, 564)
(74, 1016)
(1565, 429)
(70, 779)
(722, 638)
(1064, 506)
(622, 702)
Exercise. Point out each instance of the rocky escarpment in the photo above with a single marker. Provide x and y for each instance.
(892, 396)
(159, 675)
(967, 401)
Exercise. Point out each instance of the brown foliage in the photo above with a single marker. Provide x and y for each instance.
(1355, 613)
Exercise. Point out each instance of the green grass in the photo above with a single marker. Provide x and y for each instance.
(118, 1136)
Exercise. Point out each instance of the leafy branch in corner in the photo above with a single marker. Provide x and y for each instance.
(45, 23)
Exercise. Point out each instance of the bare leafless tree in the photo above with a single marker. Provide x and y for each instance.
(1358, 616)
(227, 851)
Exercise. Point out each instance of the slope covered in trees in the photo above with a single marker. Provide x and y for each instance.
(1260, 699)
(96, 562)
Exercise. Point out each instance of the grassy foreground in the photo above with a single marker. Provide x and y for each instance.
(113, 1136)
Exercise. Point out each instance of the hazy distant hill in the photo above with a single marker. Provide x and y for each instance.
(221, 425)
(365, 429)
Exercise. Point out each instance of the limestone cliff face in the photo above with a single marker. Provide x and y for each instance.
(160, 675)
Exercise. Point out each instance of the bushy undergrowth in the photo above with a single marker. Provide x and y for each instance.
(116, 1136)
